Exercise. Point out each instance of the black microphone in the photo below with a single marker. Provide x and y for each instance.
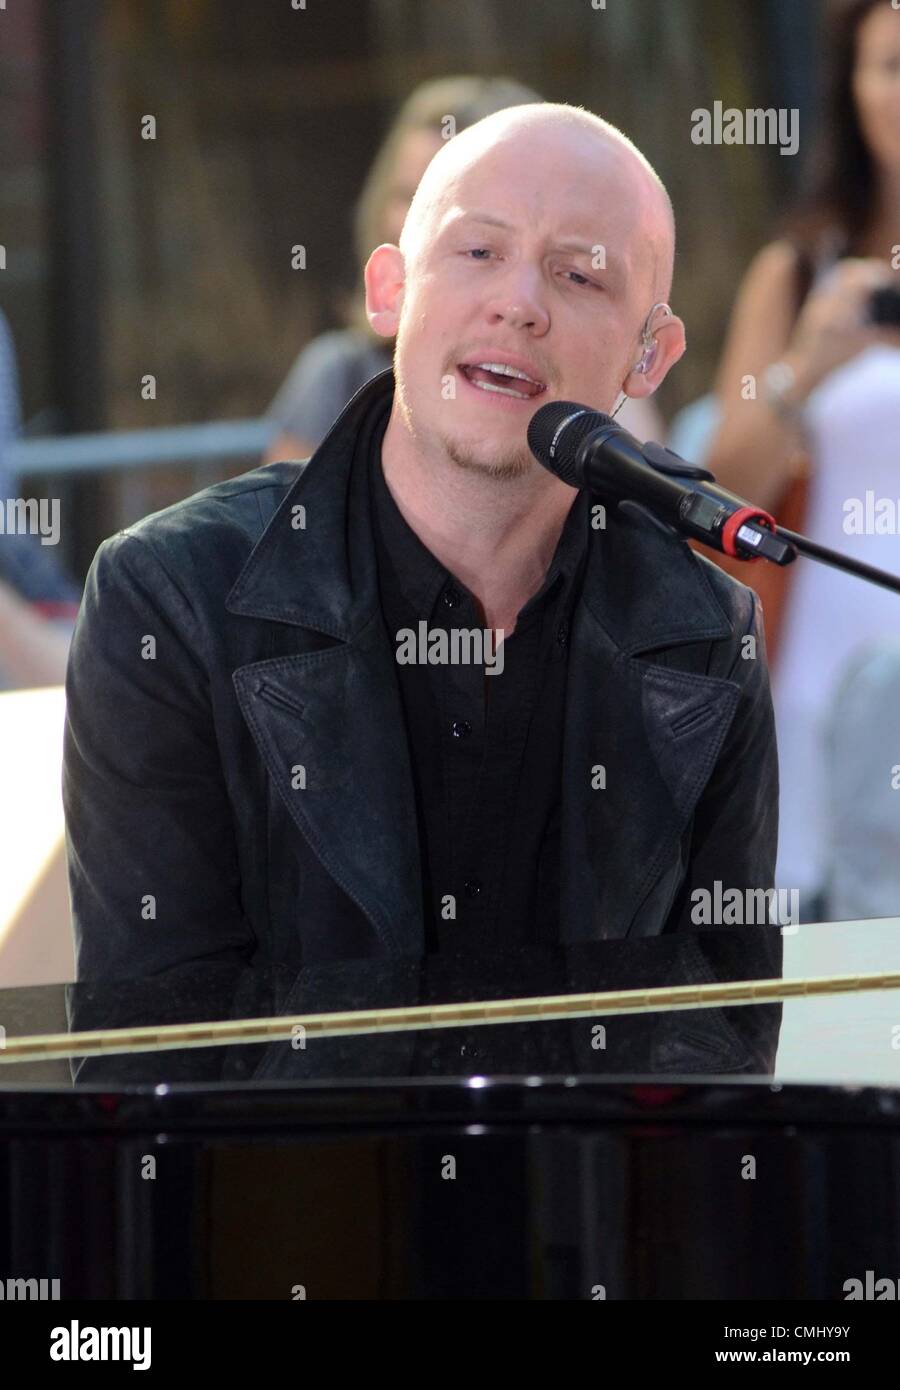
(587, 449)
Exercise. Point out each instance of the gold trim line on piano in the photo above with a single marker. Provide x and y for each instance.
(540, 1008)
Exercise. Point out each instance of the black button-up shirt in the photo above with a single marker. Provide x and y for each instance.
(486, 749)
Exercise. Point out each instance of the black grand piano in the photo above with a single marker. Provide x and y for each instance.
(188, 1136)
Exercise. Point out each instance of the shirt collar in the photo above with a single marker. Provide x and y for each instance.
(422, 577)
(567, 566)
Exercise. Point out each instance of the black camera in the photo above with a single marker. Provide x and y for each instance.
(884, 307)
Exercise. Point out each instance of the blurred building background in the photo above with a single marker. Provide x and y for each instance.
(127, 256)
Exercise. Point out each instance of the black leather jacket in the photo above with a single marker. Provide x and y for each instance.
(230, 648)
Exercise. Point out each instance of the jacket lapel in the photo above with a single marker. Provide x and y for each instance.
(640, 738)
(328, 720)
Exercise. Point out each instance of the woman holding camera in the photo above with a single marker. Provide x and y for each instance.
(809, 389)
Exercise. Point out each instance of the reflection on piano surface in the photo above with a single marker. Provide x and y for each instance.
(721, 1040)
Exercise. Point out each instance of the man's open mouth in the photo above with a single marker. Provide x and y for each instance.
(505, 380)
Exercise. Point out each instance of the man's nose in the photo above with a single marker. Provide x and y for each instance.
(520, 302)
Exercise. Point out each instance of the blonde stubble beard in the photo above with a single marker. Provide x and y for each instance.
(511, 463)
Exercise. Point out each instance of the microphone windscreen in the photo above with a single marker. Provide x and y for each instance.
(556, 431)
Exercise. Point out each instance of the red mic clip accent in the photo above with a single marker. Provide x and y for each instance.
(735, 522)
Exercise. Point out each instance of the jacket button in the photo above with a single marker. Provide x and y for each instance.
(452, 597)
(472, 887)
(460, 728)
(562, 634)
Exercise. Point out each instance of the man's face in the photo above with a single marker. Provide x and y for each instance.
(537, 258)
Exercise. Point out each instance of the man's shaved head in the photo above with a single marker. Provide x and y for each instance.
(537, 243)
(524, 123)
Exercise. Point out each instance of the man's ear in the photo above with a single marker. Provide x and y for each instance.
(670, 345)
(385, 277)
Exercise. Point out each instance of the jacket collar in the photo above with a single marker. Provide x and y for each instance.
(315, 567)
(642, 586)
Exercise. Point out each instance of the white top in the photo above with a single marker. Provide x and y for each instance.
(853, 422)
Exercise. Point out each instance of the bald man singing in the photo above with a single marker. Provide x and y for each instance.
(416, 694)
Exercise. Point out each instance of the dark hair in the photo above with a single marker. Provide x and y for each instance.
(842, 190)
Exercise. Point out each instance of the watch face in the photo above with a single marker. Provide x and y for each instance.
(780, 377)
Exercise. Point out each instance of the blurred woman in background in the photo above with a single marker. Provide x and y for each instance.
(335, 365)
(809, 390)
(38, 600)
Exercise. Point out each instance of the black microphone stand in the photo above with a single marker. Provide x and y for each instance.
(839, 562)
(672, 465)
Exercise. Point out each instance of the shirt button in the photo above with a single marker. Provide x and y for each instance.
(460, 728)
(472, 887)
(452, 597)
(562, 634)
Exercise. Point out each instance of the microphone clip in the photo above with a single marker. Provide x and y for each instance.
(666, 461)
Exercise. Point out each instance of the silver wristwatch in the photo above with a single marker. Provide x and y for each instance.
(779, 380)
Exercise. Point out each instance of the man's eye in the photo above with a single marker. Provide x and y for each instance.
(482, 253)
(580, 279)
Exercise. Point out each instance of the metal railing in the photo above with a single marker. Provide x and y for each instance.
(199, 446)
(207, 453)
